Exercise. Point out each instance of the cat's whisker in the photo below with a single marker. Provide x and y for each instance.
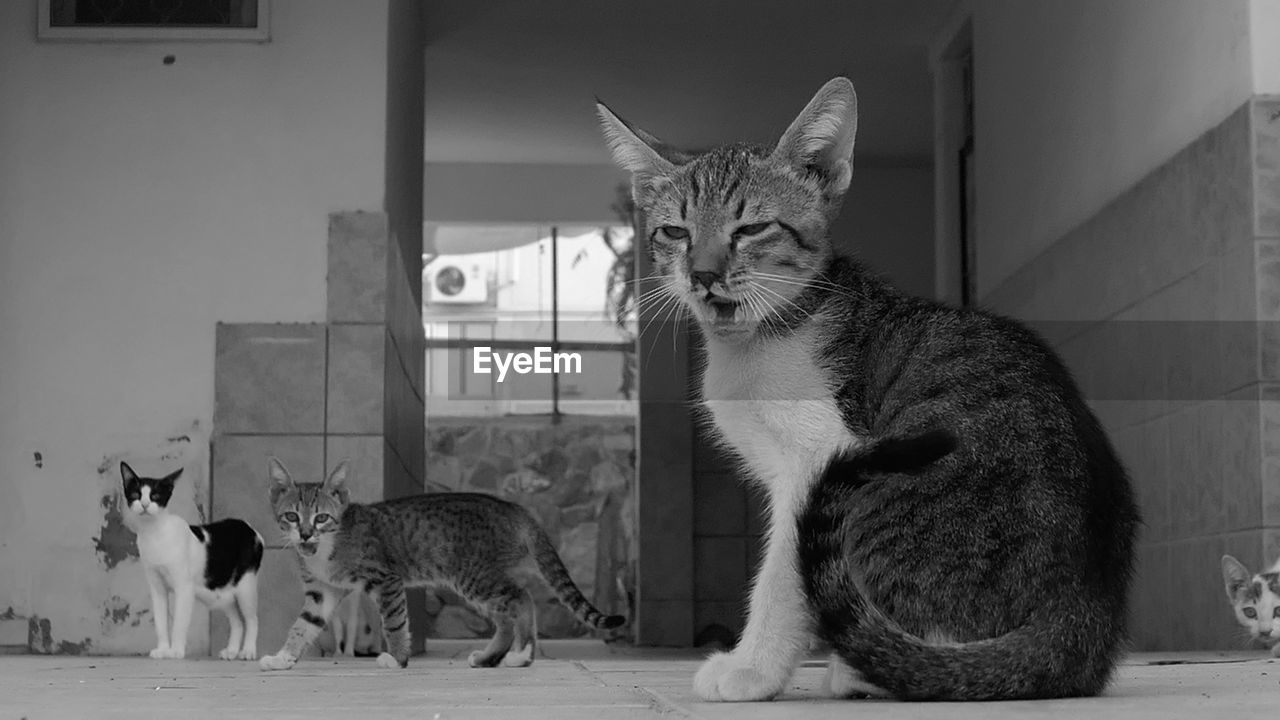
(764, 288)
(669, 297)
(649, 294)
(815, 281)
(672, 322)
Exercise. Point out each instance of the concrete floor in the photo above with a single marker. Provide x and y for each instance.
(569, 681)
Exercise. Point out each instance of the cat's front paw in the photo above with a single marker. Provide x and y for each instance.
(519, 658)
(279, 661)
(478, 659)
(159, 652)
(726, 677)
(248, 653)
(842, 681)
(1275, 650)
(229, 654)
(388, 661)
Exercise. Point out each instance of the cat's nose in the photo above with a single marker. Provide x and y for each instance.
(304, 534)
(705, 278)
(1264, 633)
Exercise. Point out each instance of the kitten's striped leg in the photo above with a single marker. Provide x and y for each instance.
(316, 607)
(394, 608)
(500, 600)
(526, 633)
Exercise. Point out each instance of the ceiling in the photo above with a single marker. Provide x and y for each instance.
(514, 81)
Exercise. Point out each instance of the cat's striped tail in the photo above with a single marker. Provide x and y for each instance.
(1068, 649)
(557, 576)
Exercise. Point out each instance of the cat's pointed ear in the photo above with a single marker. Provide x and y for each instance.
(1234, 575)
(172, 477)
(126, 473)
(280, 478)
(821, 137)
(277, 471)
(633, 149)
(336, 483)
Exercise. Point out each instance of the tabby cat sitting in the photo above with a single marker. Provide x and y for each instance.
(944, 508)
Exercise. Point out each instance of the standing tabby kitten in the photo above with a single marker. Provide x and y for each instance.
(944, 509)
(217, 563)
(468, 542)
(1256, 600)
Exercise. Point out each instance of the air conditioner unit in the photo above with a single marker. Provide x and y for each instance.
(459, 279)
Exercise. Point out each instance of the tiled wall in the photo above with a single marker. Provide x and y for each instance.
(728, 529)
(1165, 305)
(665, 506)
(313, 394)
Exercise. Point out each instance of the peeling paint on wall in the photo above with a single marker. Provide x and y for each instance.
(116, 612)
(115, 543)
(92, 597)
(39, 635)
(66, 647)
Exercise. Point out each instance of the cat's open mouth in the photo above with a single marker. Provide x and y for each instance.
(307, 548)
(723, 310)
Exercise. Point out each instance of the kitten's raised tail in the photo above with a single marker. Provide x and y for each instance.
(557, 576)
(1068, 649)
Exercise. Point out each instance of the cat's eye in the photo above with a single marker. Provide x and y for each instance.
(291, 516)
(320, 518)
(674, 232)
(752, 229)
(1250, 613)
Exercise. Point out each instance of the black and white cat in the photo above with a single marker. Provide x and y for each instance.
(217, 563)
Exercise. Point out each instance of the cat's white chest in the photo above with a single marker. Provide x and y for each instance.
(322, 567)
(775, 406)
(167, 546)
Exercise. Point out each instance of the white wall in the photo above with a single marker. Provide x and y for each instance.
(887, 221)
(140, 204)
(1264, 27)
(1076, 101)
(520, 192)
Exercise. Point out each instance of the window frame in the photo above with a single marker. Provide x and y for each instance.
(467, 345)
(46, 31)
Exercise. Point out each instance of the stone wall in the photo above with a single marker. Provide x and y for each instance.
(577, 477)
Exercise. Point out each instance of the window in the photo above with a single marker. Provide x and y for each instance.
(554, 294)
(155, 20)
